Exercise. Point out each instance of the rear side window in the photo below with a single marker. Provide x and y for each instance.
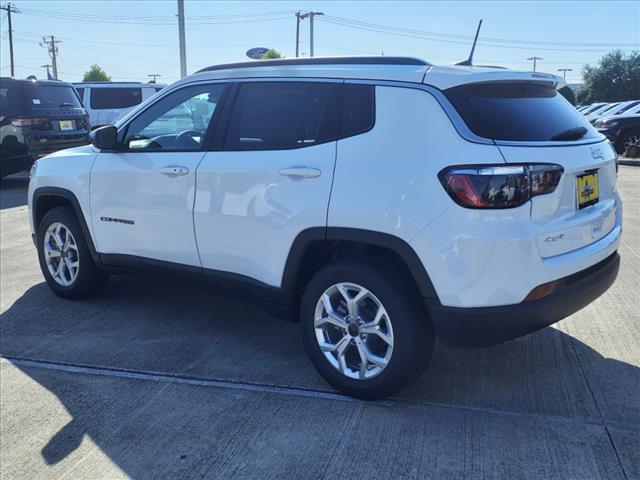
(516, 111)
(119, 97)
(283, 115)
(358, 110)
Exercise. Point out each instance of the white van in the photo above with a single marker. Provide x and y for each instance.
(106, 102)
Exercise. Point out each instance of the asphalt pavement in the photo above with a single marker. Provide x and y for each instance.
(154, 378)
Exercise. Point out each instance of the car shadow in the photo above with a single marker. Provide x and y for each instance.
(13, 190)
(154, 325)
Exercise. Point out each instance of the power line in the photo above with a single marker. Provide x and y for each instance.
(438, 37)
(470, 37)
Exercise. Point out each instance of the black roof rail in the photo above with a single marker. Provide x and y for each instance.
(102, 82)
(320, 61)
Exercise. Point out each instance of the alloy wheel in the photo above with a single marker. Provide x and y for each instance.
(61, 254)
(353, 331)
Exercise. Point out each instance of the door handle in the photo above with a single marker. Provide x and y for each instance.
(174, 171)
(300, 172)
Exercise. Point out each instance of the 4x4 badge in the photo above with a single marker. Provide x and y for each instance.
(597, 154)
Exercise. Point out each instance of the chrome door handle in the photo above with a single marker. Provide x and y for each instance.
(174, 171)
(300, 172)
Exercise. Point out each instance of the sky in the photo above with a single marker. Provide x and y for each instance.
(132, 39)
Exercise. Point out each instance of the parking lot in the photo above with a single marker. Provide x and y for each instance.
(154, 378)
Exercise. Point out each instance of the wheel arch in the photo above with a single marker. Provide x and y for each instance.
(316, 247)
(46, 198)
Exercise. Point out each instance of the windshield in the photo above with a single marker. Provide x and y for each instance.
(517, 111)
(52, 97)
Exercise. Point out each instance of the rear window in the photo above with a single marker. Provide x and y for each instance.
(8, 94)
(516, 111)
(119, 97)
(51, 97)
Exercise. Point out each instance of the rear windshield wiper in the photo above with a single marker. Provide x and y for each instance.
(66, 104)
(570, 134)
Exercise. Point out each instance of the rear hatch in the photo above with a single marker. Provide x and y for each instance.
(53, 118)
(531, 123)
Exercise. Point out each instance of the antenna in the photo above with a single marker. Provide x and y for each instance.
(469, 61)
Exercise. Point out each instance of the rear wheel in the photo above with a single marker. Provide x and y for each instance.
(64, 256)
(365, 330)
(627, 141)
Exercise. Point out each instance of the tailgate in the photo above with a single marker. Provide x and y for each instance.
(582, 209)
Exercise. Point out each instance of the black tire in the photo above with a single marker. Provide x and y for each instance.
(624, 139)
(89, 278)
(413, 336)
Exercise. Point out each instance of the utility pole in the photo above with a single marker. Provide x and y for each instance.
(183, 48)
(311, 15)
(154, 76)
(299, 17)
(51, 44)
(9, 8)
(535, 59)
(564, 72)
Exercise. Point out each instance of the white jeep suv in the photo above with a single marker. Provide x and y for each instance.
(379, 201)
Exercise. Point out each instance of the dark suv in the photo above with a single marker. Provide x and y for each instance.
(38, 117)
(622, 130)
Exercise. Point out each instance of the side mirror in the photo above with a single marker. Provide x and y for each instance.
(105, 138)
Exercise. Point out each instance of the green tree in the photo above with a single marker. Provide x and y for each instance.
(96, 74)
(271, 53)
(616, 78)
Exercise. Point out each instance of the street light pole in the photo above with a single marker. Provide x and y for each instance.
(535, 59)
(311, 15)
(181, 35)
(564, 72)
(299, 18)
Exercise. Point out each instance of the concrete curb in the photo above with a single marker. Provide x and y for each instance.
(633, 163)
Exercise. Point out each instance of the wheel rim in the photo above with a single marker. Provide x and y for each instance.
(61, 254)
(353, 331)
(633, 140)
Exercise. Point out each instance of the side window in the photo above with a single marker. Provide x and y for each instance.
(179, 121)
(118, 97)
(80, 93)
(283, 115)
(358, 109)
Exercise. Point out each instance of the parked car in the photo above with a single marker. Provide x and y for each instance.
(108, 101)
(619, 109)
(602, 110)
(592, 108)
(622, 130)
(38, 117)
(379, 201)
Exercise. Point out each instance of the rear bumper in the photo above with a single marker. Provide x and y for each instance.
(484, 326)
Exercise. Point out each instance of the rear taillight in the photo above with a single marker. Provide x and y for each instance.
(499, 186)
(29, 122)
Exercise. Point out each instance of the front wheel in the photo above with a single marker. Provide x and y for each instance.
(64, 256)
(365, 329)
